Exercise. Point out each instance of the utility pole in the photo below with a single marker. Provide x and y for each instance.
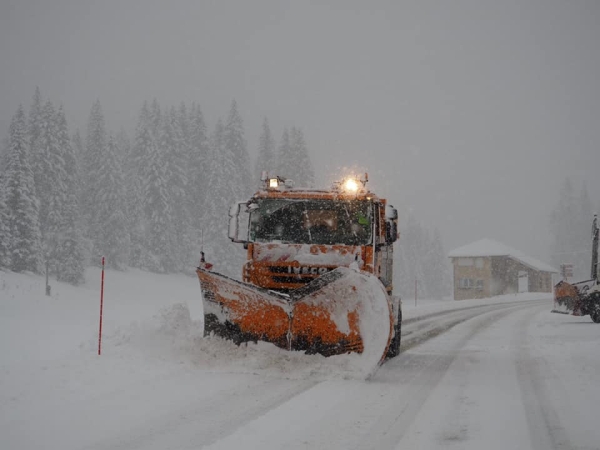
(415, 292)
(47, 284)
(595, 235)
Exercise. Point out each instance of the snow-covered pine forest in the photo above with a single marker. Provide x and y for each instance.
(152, 197)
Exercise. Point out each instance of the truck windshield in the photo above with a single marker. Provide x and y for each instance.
(311, 221)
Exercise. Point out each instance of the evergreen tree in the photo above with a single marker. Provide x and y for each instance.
(78, 147)
(4, 219)
(219, 250)
(155, 121)
(35, 120)
(235, 145)
(183, 119)
(198, 165)
(70, 253)
(3, 152)
(23, 223)
(38, 121)
(48, 171)
(137, 169)
(95, 148)
(293, 160)
(103, 209)
(123, 143)
(285, 169)
(112, 239)
(172, 148)
(157, 207)
(187, 225)
(51, 184)
(265, 161)
(300, 160)
(79, 155)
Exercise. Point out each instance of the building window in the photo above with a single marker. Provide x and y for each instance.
(465, 262)
(479, 263)
(465, 283)
(470, 283)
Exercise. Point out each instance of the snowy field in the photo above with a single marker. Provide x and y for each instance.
(506, 375)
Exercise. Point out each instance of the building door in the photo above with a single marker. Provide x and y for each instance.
(523, 281)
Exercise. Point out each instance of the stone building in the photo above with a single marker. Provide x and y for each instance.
(487, 268)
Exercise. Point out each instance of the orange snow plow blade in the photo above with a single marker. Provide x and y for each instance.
(343, 311)
(566, 298)
(571, 298)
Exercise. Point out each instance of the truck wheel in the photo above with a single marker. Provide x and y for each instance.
(593, 301)
(394, 349)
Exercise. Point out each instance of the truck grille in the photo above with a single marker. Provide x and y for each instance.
(296, 275)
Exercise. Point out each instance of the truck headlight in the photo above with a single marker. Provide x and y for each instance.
(351, 185)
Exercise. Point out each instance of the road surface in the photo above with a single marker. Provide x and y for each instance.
(506, 375)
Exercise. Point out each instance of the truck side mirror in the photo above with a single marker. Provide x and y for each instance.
(234, 222)
(391, 213)
(391, 231)
(391, 224)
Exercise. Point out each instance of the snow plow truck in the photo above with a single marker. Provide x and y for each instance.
(318, 276)
(581, 298)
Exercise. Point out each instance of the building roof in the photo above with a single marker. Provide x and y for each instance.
(489, 247)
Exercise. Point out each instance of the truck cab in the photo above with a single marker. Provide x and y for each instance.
(295, 235)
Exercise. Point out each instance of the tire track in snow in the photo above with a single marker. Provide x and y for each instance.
(420, 373)
(189, 427)
(419, 329)
(545, 427)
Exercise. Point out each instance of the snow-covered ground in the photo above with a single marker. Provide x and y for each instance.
(506, 374)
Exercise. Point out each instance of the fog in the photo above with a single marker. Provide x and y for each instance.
(468, 115)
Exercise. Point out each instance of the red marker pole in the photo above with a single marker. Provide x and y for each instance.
(101, 305)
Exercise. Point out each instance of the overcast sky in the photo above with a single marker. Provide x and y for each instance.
(467, 114)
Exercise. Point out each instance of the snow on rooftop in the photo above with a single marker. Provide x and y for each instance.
(489, 247)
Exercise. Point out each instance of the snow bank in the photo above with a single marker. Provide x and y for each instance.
(147, 321)
(146, 326)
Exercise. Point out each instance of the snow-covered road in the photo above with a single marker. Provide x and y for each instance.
(500, 373)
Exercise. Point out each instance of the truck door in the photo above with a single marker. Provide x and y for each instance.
(384, 250)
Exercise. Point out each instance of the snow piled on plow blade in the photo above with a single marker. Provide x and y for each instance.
(344, 311)
(562, 307)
